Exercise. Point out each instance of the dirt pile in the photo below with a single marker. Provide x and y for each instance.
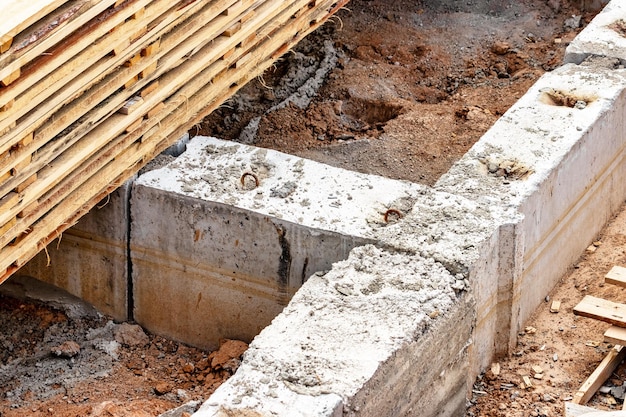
(63, 358)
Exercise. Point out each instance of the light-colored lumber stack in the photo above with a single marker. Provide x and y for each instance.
(91, 90)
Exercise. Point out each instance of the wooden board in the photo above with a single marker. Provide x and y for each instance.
(87, 11)
(616, 276)
(600, 375)
(79, 43)
(615, 335)
(86, 79)
(603, 310)
(23, 14)
(44, 158)
(97, 151)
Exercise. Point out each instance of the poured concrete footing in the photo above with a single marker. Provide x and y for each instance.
(383, 310)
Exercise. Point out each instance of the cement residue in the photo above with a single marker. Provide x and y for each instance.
(285, 187)
(298, 87)
(215, 171)
(333, 349)
(508, 168)
(448, 228)
(41, 372)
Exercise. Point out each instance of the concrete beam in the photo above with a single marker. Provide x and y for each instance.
(430, 298)
(560, 166)
(603, 36)
(207, 241)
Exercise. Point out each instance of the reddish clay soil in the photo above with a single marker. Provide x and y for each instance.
(415, 85)
(55, 362)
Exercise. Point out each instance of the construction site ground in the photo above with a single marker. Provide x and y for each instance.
(400, 89)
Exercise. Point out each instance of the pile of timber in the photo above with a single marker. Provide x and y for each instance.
(91, 90)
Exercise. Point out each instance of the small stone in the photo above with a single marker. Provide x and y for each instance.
(555, 357)
(555, 5)
(229, 349)
(495, 368)
(573, 22)
(527, 382)
(618, 392)
(502, 406)
(203, 364)
(67, 349)
(131, 335)
(162, 388)
(500, 47)
(188, 368)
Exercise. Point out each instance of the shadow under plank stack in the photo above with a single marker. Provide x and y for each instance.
(92, 90)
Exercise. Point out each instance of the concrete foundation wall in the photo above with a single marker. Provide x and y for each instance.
(234, 268)
(380, 327)
(91, 259)
(234, 252)
(445, 365)
(566, 164)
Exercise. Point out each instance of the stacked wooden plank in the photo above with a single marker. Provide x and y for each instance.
(609, 312)
(91, 90)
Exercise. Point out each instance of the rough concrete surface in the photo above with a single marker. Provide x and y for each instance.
(290, 188)
(604, 36)
(238, 230)
(550, 162)
(401, 296)
(572, 109)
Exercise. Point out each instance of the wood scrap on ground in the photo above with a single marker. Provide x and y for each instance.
(610, 312)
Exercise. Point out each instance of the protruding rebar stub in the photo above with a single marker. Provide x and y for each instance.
(249, 174)
(392, 215)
